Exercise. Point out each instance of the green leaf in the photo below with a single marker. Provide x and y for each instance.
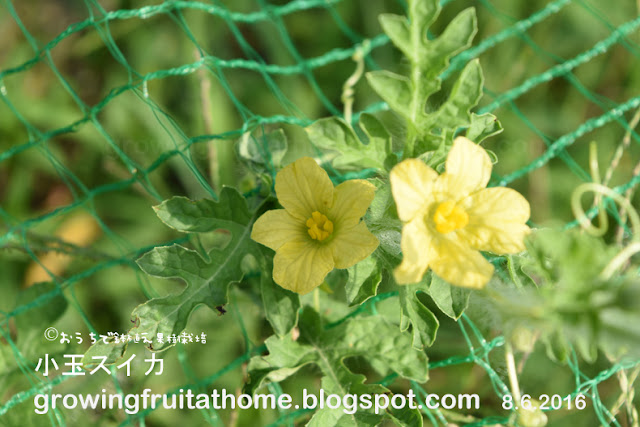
(424, 322)
(452, 300)
(335, 134)
(280, 305)
(573, 306)
(364, 278)
(262, 153)
(431, 132)
(338, 418)
(379, 136)
(422, 14)
(372, 337)
(395, 89)
(204, 215)
(456, 37)
(406, 417)
(620, 333)
(111, 350)
(383, 222)
(383, 206)
(483, 126)
(465, 94)
(397, 28)
(576, 258)
(208, 279)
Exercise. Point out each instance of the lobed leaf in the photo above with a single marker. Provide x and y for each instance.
(372, 337)
(334, 134)
(483, 126)
(431, 133)
(207, 279)
(452, 300)
(204, 215)
(457, 37)
(364, 278)
(466, 93)
(569, 303)
(396, 90)
(397, 28)
(424, 323)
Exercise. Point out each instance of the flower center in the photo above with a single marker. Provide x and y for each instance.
(319, 226)
(450, 217)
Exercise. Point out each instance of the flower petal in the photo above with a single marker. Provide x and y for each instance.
(301, 266)
(352, 245)
(468, 168)
(351, 199)
(275, 228)
(411, 185)
(416, 249)
(497, 218)
(460, 265)
(304, 187)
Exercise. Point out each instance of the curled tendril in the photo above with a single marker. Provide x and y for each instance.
(347, 89)
(601, 191)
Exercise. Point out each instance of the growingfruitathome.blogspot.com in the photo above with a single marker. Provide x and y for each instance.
(186, 399)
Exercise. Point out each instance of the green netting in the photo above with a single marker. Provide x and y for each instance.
(111, 107)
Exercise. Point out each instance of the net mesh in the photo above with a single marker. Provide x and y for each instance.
(142, 93)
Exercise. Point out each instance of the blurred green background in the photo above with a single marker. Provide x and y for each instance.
(108, 107)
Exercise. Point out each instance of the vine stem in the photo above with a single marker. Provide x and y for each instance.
(619, 260)
(513, 273)
(513, 374)
(207, 117)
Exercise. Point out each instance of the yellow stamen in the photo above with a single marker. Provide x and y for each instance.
(319, 226)
(450, 217)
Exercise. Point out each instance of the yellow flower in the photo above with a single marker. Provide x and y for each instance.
(450, 217)
(319, 228)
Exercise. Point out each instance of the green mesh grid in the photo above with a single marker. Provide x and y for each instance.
(262, 66)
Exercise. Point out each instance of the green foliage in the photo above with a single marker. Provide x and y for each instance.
(281, 305)
(363, 281)
(569, 303)
(335, 135)
(431, 132)
(262, 152)
(207, 279)
(31, 321)
(414, 312)
(557, 293)
(452, 300)
(372, 337)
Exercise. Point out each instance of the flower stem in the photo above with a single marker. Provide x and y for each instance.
(316, 299)
(512, 272)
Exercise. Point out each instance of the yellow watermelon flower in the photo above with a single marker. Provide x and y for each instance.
(319, 228)
(449, 218)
